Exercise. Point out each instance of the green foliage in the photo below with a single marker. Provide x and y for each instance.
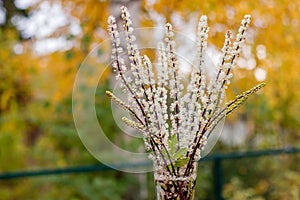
(36, 125)
(177, 156)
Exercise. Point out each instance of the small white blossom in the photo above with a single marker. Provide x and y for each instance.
(173, 122)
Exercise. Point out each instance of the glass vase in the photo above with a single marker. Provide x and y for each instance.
(175, 187)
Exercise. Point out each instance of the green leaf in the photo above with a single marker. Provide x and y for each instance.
(181, 162)
(164, 153)
(172, 144)
(169, 167)
(178, 154)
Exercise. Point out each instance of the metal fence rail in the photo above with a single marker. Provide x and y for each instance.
(215, 158)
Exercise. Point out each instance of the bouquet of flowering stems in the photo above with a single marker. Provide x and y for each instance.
(176, 122)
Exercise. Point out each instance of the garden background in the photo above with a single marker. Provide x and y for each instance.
(43, 44)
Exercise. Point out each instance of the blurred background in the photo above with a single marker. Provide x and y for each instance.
(43, 43)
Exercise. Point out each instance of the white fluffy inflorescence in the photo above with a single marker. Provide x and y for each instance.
(175, 124)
